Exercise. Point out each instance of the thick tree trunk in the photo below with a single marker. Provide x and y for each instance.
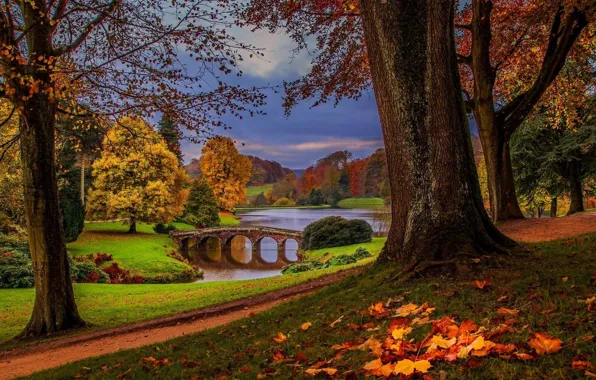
(438, 210)
(553, 207)
(54, 308)
(577, 197)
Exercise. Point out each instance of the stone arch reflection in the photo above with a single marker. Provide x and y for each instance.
(291, 250)
(240, 250)
(267, 248)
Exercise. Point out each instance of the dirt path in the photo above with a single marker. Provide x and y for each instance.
(25, 361)
(534, 230)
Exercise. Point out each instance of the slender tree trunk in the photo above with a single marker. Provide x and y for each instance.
(553, 207)
(83, 179)
(54, 308)
(577, 197)
(133, 225)
(493, 136)
(438, 211)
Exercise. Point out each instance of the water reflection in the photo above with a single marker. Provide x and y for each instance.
(247, 263)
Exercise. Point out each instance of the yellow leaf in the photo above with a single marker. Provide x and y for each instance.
(316, 371)
(505, 311)
(544, 344)
(305, 326)
(406, 310)
(399, 334)
(373, 365)
(477, 344)
(407, 367)
(442, 342)
(280, 338)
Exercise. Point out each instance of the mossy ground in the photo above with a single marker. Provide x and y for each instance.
(546, 283)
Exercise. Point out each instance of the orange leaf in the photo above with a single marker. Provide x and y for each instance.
(481, 284)
(544, 344)
(305, 326)
(280, 338)
(505, 311)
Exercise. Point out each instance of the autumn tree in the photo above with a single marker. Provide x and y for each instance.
(410, 50)
(509, 53)
(226, 171)
(117, 57)
(139, 182)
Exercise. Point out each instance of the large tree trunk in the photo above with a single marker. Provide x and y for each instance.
(54, 308)
(553, 207)
(577, 197)
(133, 225)
(437, 210)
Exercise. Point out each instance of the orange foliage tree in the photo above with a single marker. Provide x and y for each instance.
(116, 57)
(510, 52)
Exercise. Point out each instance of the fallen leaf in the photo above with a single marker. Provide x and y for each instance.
(407, 367)
(305, 326)
(246, 369)
(482, 284)
(313, 372)
(503, 299)
(399, 334)
(505, 311)
(280, 338)
(544, 344)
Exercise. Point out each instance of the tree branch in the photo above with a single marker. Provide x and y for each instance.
(88, 29)
(562, 37)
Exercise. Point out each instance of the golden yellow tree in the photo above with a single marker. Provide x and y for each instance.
(12, 204)
(226, 171)
(137, 182)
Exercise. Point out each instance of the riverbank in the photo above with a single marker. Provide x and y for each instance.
(110, 305)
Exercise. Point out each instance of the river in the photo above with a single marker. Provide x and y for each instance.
(287, 218)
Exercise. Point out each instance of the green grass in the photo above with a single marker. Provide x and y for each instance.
(374, 247)
(228, 220)
(532, 281)
(361, 203)
(252, 191)
(143, 252)
(109, 305)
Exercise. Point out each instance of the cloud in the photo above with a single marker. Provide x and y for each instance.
(338, 144)
(278, 61)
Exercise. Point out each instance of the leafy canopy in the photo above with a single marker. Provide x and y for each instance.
(140, 181)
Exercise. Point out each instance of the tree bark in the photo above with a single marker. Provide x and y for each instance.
(438, 210)
(54, 308)
(577, 197)
(553, 207)
(493, 136)
(133, 225)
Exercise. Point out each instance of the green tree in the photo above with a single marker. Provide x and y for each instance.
(201, 207)
(316, 197)
(137, 182)
(554, 158)
(258, 175)
(172, 135)
(261, 200)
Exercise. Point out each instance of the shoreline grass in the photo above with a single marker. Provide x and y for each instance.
(361, 203)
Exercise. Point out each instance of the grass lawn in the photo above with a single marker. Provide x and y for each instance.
(108, 305)
(228, 220)
(373, 247)
(252, 191)
(143, 252)
(361, 203)
(545, 286)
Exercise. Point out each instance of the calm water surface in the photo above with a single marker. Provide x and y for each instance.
(287, 218)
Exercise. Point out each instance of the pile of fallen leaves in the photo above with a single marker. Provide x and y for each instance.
(399, 353)
(448, 341)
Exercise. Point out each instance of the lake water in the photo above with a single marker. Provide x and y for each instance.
(286, 218)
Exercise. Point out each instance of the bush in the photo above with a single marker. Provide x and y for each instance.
(284, 202)
(316, 197)
(185, 276)
(261, 200)
(16, 270)
(201, 207)
(304, 267)
(335, 231)
(164, 229)
(122, 276)
(73, 218)
(361, 253)
(88, 272)
(342, 260)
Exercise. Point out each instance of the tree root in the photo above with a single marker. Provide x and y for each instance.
(418, 268)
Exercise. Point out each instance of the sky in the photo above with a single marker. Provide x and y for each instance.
(308, 134)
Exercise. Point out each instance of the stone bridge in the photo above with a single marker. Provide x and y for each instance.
(189, 241)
